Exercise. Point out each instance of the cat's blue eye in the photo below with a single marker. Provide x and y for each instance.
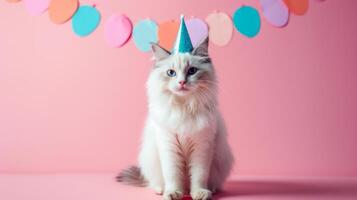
(192, 70)
(171, 73)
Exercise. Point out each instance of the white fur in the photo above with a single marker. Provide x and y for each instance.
(184, 129)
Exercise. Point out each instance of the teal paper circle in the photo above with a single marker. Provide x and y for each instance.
(246, 19)
(85, 20)
(145, 32)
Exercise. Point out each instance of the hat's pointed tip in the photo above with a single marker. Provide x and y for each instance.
(183, 42)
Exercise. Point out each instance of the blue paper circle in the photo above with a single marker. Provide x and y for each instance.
(145, 32)
(246, 19)
(85, 20)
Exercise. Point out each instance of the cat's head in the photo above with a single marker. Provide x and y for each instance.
(183, 74)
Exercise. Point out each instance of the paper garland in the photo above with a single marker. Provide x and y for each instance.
(276, 12)
(247, 21)
(220, 28)
(145, 32)
(61, 11)
(36, 7)
(117, 30)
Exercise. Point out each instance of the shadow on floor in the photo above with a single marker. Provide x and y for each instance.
(279, 188)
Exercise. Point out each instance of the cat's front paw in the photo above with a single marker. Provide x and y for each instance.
(173, 195)
(201, 194)
(158, 190)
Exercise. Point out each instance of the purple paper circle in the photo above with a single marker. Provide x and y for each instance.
(197, 29)
(276, 12)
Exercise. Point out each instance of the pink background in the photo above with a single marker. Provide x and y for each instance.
(289, 96)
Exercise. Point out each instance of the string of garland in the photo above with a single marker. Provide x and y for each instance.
(118, 28)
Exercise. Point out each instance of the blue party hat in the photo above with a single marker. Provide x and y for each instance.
(183, 42)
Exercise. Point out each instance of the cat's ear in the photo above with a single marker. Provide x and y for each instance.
(159, 52)
(202, 49)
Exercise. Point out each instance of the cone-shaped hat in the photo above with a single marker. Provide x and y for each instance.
(183, 42)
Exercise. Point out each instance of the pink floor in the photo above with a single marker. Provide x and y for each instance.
(103, 187)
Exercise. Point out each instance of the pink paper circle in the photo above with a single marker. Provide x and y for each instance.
(117, 30)
(220, 28)
(197, 29)
(36, 7)
(276, 12)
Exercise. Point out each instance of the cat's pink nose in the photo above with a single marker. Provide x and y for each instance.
(182, 82)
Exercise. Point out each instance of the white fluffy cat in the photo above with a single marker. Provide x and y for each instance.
(184, 147)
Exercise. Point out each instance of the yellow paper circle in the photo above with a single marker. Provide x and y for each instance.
(220, 28)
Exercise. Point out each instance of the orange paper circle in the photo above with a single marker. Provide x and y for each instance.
(298, 7)
(13, 1)
(61, 11)
(167, 34)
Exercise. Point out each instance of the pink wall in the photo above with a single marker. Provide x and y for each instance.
(73, 104)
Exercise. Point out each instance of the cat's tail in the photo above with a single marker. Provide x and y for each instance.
(132, 176)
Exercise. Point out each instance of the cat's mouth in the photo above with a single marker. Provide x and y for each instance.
(181, 91)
